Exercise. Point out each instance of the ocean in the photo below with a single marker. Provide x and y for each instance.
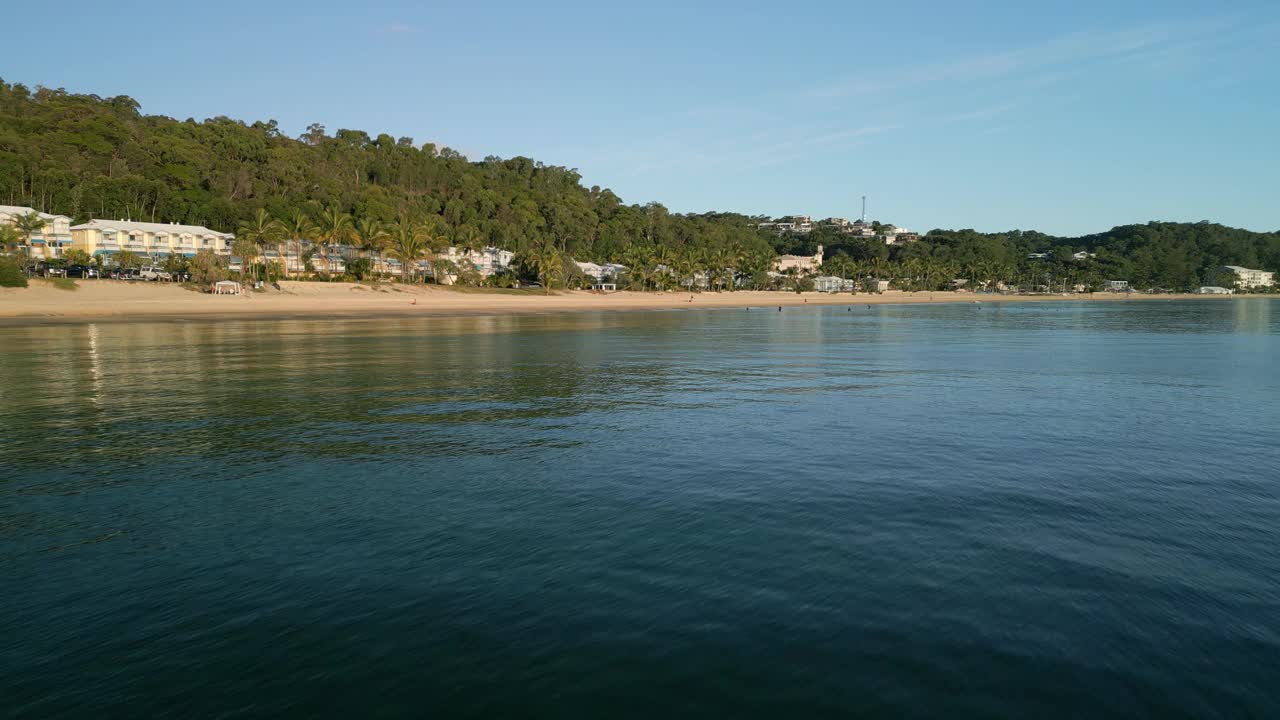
(1050, 510)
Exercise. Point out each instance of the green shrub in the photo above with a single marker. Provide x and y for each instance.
(207, 268)
(10, 274)
(360, 268)
(63, 283)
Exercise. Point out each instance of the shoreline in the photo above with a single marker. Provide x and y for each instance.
(114, 301)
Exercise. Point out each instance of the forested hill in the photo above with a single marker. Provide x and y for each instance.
(82, 156)
(1156, 254)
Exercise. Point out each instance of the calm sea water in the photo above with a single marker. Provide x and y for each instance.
(1066, 510)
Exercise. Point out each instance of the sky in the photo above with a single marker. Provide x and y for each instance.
(1069, 118)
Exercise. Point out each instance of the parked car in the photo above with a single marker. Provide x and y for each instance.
(82, 271)
(155, 272)
(181, 276)
(125, 274)
(52, 270)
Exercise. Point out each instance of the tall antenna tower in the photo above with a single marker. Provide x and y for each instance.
(864, 208)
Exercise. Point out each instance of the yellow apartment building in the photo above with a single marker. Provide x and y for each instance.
(48, 241)
(104, 238)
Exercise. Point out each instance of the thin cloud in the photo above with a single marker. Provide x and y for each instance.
(984, 113)
(399, 28)
(793, 145)
(1065, 50)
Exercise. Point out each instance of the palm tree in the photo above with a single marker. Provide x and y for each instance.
(548, 261)
(728, 261)
(10, 237)
(468, 238)
(372, 236)
(662, 266)
(28, 225)
(261, 230)
(408, 245)
(839, 265)
(469, 242)
(247, 251)
(638, 259)
(686, 263)
(298, 228)
(911, 267)
(335, 230)
(755, 264)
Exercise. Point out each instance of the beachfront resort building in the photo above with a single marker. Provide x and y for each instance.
(802, 264)
(832, 284)
(604, 276)
(104, 238)
(51, 239)
(1248, 278)
(1214, 290)
(487, 261)
(601, 273)
(1116, 286)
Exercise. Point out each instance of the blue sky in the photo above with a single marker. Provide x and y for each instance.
(1068, 119)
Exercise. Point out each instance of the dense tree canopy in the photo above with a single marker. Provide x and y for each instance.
(83, 156)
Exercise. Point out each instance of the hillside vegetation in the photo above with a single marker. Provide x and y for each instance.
(84, 155)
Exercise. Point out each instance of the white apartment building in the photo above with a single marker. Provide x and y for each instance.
(1248, 278)
(486, 262)
(50, 240)
(832, 284)
(155, 240)
(791, 223)
(600, 272)
(894, 235)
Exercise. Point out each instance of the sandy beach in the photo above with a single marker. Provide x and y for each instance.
(107, 300)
